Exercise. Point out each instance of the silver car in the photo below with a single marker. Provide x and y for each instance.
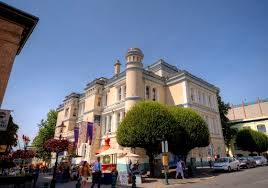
(226, 163)
(260, 160)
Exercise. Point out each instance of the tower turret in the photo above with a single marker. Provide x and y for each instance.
(134, 81)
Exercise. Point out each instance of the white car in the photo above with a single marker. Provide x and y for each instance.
(226, 163)
(260, 160)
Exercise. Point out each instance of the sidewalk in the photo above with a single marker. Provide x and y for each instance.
(203, 174)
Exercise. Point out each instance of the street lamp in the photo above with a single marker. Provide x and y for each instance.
(53, 181)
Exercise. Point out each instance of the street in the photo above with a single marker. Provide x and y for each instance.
(249, 178)
(246, 178)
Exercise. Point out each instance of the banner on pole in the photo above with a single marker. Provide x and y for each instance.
(4, 118)
(89, 132)
(76, 135)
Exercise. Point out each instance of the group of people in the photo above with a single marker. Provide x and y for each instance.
(86, 170)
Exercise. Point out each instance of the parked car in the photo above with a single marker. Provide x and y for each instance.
(226, 163)
(247, 162)
(260, 160)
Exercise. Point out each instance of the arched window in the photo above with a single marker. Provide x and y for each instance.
(261, 128)
(147, 92)
(154, 94)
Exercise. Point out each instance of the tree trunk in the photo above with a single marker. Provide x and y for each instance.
(151, 163)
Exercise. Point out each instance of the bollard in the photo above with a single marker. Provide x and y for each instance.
(133, 181)
(78, 184)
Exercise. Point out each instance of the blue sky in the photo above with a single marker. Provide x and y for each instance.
(224, 42)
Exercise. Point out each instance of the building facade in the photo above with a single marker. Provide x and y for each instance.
(252, 115)
(15, 28)
(106, 101)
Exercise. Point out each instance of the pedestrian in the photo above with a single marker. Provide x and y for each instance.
(96, 173)
(36, 174)
(84, 173)
(179, 169)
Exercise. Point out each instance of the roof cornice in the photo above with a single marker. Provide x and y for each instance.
(19, 17)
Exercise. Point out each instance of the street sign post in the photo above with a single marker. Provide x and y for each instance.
(165, 159)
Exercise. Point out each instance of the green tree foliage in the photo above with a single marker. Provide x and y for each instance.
(228, 132)
(46, 131)
(8, 137)
(252, 141)
(191, 131)
(145, 126)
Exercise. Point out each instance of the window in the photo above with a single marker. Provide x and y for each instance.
(118, 119)
(110, 124)
(75, 111)
(199, 97)
(106, 100)
(147, 92)
(119, 94)
(125, 91)
(99, 101)
(192, 94)
(66, 112)
(204, 99)
(154, 94)
(103, 125)
(209, 101)
(81, 109)
(261, 128)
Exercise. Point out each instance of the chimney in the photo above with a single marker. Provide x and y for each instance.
(117, 67)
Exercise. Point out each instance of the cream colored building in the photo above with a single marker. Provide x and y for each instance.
(252, 115)
(108, 100)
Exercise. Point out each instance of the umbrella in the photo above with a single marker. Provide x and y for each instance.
(110, 152)
(131, 155)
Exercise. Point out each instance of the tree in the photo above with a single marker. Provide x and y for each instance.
(145, 126)
(46, 131)
(252, 141)
(191, 131)
(228, 132)
(8, 137)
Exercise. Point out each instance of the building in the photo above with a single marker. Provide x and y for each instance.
(252, 115)
(16, 27)
(106, 101)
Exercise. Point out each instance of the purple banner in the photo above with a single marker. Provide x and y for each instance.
(76, 135)
(89, 132)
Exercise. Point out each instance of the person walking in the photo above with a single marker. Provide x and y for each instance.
(96, 173)
(84, 173)
(36, 174)
(179, 169)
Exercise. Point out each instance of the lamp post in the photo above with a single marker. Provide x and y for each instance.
(165, 159)
(53, 181)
